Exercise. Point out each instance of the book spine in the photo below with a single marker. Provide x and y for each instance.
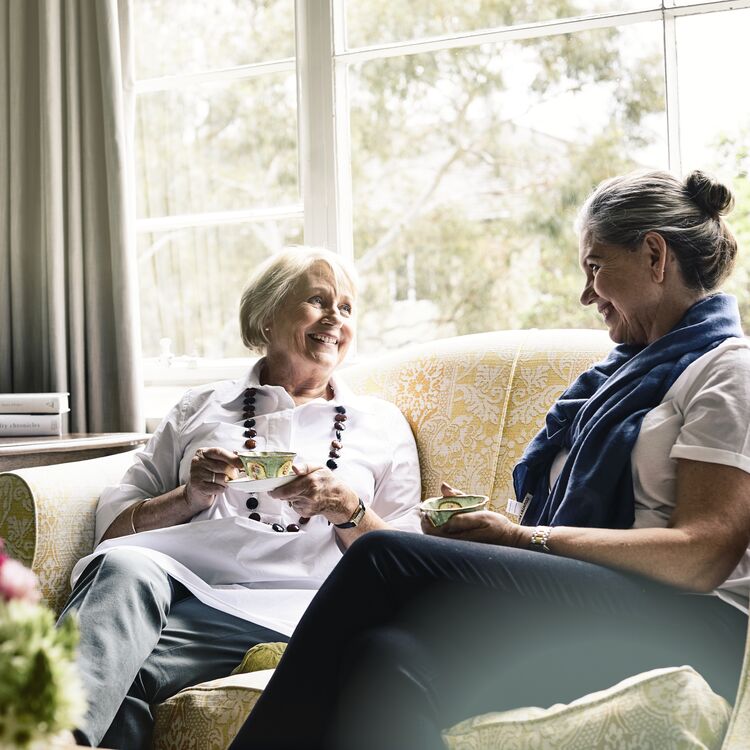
(25, 425)
(33, 403)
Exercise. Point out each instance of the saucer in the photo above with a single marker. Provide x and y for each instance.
(260, 485)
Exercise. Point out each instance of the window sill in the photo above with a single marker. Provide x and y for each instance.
(189, 371)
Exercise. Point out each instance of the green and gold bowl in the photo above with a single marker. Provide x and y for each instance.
(439, 509)
(266, 464)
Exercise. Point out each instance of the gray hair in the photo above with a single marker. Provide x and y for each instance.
(267, 289)
(686, 214)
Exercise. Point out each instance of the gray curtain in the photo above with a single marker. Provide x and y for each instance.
(68, 288)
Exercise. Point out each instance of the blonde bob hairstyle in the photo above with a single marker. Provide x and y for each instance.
(268, 288)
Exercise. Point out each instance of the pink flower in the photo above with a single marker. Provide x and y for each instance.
(17, 582)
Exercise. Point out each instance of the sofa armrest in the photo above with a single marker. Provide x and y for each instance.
(738, 733)
(47, 516)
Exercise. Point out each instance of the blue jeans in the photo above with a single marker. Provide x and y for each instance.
(144, 637)
(411, 634)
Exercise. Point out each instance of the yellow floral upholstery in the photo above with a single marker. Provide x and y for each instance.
(262, 656)
(669, 709)
(473, 402)
(208, 716)
(47, 517)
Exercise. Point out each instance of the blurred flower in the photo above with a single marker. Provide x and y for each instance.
(40, 691)
(17, 581)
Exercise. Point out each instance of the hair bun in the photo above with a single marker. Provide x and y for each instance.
(709, 194)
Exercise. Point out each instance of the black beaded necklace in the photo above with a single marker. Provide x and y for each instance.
(248, 414)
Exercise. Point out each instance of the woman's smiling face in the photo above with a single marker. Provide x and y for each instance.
(315, 327)
(620, 282)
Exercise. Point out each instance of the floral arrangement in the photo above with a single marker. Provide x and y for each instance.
(40, 692)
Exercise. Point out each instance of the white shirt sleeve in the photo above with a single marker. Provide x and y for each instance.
(716, 426)
(155, 471)
(399, 489)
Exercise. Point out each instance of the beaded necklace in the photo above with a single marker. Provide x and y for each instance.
(248, 414)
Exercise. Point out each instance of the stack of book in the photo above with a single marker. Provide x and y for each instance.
(28, 414)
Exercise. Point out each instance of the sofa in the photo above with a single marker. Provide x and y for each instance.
(473, 403)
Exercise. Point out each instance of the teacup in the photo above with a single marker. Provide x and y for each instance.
(439, 509)
(266, 464)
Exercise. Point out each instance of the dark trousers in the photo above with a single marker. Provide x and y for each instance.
(144, 637)
(412, 634)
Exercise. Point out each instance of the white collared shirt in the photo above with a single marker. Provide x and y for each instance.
(242, 566)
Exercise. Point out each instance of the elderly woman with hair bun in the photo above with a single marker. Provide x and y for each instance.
(192, 570)
(632, 551)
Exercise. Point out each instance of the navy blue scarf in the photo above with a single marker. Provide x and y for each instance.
(599, 417)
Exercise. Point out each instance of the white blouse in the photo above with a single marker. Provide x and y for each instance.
(704, 416)
(241, 566)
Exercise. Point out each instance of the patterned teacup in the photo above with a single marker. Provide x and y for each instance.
(439, 509)
(266, 464)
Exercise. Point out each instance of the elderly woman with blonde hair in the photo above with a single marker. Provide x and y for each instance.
(192, 569)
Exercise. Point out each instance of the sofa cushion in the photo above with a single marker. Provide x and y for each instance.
(664, 709)
(262, 656)
(208, 716)
(474, 402)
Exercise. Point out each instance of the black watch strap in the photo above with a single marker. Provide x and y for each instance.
(357, 516)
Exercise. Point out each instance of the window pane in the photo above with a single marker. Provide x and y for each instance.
(715, 118)
(217, 147)
(468, 167)
(682, 3)
(191, 281)
(187, 36)
(372, 22)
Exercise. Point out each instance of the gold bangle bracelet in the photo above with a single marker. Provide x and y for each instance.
(135, 507)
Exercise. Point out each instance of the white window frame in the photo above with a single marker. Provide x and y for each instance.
(322, 62)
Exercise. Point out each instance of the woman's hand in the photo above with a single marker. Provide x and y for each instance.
(477, 526)
(317, 492)
(210, 469)
(484, 526)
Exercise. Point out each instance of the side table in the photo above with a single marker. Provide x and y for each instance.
(23, 452)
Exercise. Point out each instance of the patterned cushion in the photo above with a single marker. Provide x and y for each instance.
(474, 402)
(262, 656)
(738, 734)
(664, 709)
(208, 716)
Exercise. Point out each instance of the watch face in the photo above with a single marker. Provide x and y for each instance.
(360, 513)
(357, 516)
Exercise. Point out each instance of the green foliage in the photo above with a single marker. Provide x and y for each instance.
(40, 693)
(370, 22)
(468, 165)
(470, 191)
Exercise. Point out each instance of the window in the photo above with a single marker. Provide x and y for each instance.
(444, 146)
(216, 164)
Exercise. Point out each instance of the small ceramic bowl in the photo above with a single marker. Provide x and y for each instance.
(266, 464)
(439, 509)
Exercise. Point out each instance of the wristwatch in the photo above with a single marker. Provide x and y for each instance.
(356, 518)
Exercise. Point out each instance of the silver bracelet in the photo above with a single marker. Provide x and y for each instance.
(135, 507)
(539, 538)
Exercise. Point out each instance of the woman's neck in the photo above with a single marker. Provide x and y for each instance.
(302, 387)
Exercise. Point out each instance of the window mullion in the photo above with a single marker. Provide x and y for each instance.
(316, 89)
(671, 89)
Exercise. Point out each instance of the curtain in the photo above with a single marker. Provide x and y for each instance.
(68, 287)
